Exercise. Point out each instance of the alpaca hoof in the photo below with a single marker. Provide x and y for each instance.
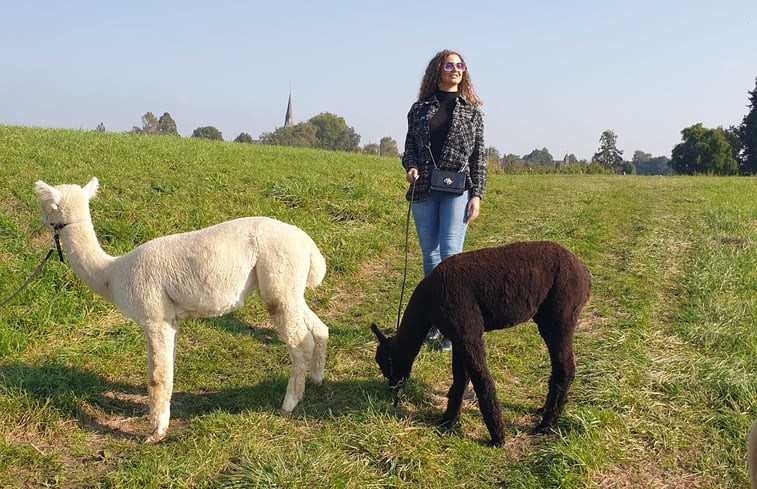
(289, 404)
(496, 444)
(287, 411)
(316, 380)
(448, 424)
(542, 429)
(155, 438)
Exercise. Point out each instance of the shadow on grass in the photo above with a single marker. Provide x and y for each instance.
(119, 410)
(71, 392)
(107, 407)
(519, 418)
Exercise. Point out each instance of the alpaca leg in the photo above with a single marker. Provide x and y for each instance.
(486, 391)
(320, 335)
(300, 352)
(460, 382)
(282, 277)
(288, 317)
(560, 345)
(161, 348)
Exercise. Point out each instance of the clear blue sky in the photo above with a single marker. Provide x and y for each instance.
(552, 74)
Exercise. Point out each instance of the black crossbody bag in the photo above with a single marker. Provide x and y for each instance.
(451, 182)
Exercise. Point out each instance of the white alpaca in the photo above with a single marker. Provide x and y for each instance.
(202, 273)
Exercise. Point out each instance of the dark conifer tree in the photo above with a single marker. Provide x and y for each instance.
(747, 132)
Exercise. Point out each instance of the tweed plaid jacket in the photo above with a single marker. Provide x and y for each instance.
(462, 151)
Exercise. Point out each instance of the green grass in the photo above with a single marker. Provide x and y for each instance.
(667, 351)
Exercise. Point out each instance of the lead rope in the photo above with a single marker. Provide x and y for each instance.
(407, 239)
(56, 246)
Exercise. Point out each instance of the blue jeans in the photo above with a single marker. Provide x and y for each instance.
(441, 223)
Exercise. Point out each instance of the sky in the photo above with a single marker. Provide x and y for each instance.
(552, 74)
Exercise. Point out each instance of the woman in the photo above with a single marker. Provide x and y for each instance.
(445, 131)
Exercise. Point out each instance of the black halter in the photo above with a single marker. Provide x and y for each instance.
(56, 240)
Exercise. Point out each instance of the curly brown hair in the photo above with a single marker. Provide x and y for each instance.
(430, 82)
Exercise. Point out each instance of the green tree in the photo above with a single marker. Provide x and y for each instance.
(639, 155)
(609, 155)
(208, 132)
(388, 147)
(539, 157)
(512, 163)
(747, 133)
(705, 150)
(303, 135)
(333, 133)
(646, 164)
(371, 149)
(149, 125)
(244, 138)
(100, 127)
(326, 131)
(493, 159)
(167, 126)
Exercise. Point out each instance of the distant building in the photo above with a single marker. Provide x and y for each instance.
(289, 118)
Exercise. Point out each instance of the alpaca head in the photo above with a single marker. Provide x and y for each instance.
(65, 204)
(391, 366)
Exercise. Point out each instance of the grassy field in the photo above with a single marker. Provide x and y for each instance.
(666, 387)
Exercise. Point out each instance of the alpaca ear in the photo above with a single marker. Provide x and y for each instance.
(91, 188)
(378, 333)
(48, 193)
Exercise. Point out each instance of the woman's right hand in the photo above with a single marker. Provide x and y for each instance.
(412, 175)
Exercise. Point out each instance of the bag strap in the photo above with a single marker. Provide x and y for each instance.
(433, 161)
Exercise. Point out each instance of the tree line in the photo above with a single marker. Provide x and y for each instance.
(731, 151)
(328, 131)
(607, 159)
(719, 151)
(324, 131)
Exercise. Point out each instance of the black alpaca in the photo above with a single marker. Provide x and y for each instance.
(484, 290)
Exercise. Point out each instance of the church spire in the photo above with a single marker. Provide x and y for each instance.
(289, 118)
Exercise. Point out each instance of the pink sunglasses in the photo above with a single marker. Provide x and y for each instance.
(449, 66)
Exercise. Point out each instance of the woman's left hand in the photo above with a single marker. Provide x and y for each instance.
(474, 208)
